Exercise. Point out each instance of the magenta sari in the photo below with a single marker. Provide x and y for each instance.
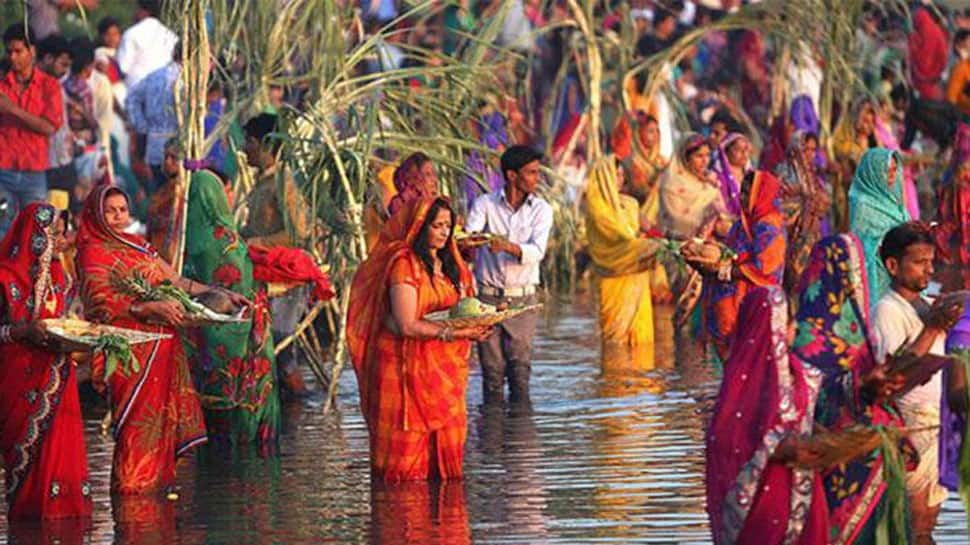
(750, 498)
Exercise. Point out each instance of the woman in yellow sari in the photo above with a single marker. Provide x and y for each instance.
(855, 134)
(639, 148)
(622, 259)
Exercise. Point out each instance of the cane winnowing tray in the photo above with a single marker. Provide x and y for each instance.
(87, 333)
(479, 320)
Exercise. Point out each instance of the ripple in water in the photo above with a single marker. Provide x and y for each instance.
(612, 457)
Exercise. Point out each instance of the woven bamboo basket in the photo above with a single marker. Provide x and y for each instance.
(480, 320)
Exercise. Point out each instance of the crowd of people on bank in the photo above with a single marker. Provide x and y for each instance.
(801, 262)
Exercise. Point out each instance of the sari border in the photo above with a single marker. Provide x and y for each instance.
(126, 408)
(737, 504)
(874, 491)
(191, 443)
(38, 425)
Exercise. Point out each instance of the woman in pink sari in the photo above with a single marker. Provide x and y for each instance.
(754, 494)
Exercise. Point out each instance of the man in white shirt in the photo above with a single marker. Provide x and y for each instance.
(508, 272)
(147, 45)
(902, 319)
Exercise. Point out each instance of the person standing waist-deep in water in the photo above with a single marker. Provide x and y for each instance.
(902, 319)
(507, 271)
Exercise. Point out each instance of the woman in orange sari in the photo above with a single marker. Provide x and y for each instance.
(155, 409)
(412, 373)
(41, 435)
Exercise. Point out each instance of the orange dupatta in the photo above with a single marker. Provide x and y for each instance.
(432, 387)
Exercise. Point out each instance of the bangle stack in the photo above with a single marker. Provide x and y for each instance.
(6, 334)
(446, 334)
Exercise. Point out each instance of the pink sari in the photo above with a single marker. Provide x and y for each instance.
(750, 498)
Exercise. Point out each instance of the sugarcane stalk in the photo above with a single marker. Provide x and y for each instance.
(340, 356)
(305, 323)
(190, 108)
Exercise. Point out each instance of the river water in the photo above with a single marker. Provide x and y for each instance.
(607, 457)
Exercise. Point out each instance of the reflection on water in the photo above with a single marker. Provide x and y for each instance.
(612, 454)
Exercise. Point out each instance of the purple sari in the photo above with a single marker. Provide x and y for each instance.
(730, 188)
(953, 424)
(493, 135)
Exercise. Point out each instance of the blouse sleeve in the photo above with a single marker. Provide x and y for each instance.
(402, 272)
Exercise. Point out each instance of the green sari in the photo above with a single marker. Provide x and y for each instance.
(874, 209)
(234, 365)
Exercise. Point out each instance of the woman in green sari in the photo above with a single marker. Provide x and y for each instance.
(876, 206)
(234, 364)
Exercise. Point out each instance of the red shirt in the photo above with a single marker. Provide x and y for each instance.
(20, 147)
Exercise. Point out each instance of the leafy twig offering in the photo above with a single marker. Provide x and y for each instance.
(117, 355)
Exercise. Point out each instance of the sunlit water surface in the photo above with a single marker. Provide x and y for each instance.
(611, 457)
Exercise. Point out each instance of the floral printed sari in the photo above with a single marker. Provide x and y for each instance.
(155, 409)
(412, 391)
(234, 364)
(751, 498)
(833, 336)
(41, 435)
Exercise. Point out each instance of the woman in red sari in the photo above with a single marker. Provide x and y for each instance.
(41, 436)
(754, 494)
(155, 409)
(412, 373)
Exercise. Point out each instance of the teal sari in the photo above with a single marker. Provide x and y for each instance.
(874, 209)
(234, 364)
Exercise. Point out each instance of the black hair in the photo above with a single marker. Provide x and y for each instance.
(448, 264)
(516, 157)
(661, 15)
(83, 54)
(723, 116)
(153, 7)
(901, 237)
(106, 23)
(261, 127)
(54, 45)
(961, 35)
(16, 33)
(177, 51)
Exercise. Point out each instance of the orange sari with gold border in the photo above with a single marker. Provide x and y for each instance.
(412, 391)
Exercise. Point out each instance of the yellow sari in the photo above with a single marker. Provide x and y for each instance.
(622, 259)
(375, 211)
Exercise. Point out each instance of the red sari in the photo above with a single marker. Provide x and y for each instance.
(412, 391)
(41, 435)
(765, 397)
(155, 410)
